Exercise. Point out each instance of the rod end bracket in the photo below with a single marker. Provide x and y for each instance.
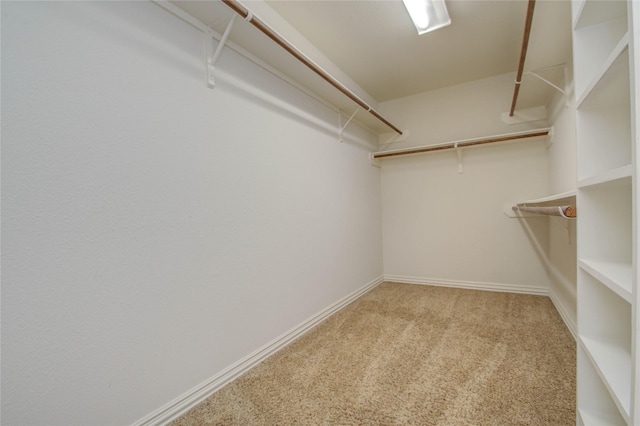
(211, 73)
(375, 162)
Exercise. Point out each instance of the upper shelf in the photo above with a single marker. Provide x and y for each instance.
(593, 12)
(590, 12)
(267, 31)
(463, 143)
(256, 40)
(555, 199)
(600, 36)
(559, 200)
(610, 177)
(609, 84)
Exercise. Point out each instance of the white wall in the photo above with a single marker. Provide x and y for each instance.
(458, 112)
(446, 227)
(562, 233)
(155, 231)
(263, 10)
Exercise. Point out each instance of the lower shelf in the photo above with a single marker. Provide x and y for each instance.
(590, 418)
(613, 365)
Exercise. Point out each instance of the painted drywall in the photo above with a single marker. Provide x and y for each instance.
(443, 226)
(562, 153)
(262, 9)
(562, 178)
(458, 112)
(156, 231)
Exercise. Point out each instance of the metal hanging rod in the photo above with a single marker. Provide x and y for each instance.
(568, 212)
(523, 55)
(462, 144)
(247, 15)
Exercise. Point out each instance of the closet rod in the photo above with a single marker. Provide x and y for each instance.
(462, 144)
(292, 50)
(568, 212)
(523, 55)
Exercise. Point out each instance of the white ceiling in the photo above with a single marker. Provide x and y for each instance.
(375, 43)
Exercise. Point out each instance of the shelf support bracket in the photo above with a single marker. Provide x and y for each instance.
(564, 92)
(341, 127)
(211, 61)
(396, 138)
(459, 155)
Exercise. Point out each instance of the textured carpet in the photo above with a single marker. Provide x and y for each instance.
(413, 355)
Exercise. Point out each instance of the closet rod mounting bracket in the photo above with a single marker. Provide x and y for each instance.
(547, 81)
(565, 70)
(565, 90)
(374, 161)
(342, 127)
(459, 156)
(395, 138)
(211, 61)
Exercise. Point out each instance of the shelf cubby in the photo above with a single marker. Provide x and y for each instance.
(603, 122)
(611, 176)
(589, 12)
(617, 276)
(598, 30)
(596, 406)
(604, 221)
(604, 323)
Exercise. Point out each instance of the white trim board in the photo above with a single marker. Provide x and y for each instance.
(470, 285)
(193, 397)
(558, 279)
(571, 325)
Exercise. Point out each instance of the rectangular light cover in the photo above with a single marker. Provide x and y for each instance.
(428, 15)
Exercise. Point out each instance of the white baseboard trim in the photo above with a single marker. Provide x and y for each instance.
(470, 285)
(559, 281)
(190, 399)
(568, 321)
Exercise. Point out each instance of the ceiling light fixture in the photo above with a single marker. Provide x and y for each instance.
(427, 15)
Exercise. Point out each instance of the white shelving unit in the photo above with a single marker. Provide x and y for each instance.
(606, 115)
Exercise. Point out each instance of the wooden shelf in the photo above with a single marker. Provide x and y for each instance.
(465, 143)
(596, 405)
(613, 364)
(597, 47)
(610, 85)
(594, 12)
(605, 222)
(621, 175)
(569, 196)
(617, 276)
(592, 418)
(603, 117)
(560, 199)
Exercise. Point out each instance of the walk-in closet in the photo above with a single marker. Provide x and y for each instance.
(258, 212)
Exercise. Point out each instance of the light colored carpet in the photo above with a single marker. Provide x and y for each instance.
(413, 355)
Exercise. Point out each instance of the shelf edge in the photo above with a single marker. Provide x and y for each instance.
(600, 275)
(609, 176)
